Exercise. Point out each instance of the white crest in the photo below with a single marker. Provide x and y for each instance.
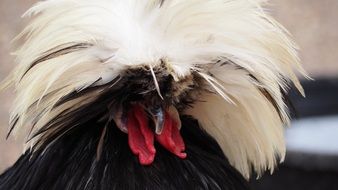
(70, 44)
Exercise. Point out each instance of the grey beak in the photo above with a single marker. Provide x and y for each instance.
(158, 116)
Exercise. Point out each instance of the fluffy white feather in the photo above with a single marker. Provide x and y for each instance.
(190, 35)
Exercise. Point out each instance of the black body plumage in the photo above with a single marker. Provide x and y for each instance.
(72, 162)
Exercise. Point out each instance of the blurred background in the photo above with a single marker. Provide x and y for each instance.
(312, 142)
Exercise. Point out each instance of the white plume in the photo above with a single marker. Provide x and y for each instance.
(70, 44)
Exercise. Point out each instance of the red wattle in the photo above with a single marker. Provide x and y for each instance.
(140, 137)
(171, 138)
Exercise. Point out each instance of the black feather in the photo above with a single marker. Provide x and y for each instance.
(56, 52)
(71, 162)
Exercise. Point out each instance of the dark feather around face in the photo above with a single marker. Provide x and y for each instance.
(118, 98)
(137, 85)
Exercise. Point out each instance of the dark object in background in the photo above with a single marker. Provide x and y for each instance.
(321, 98)
(302, 171)
(307, 171)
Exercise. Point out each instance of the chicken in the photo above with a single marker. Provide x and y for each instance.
(149, 94)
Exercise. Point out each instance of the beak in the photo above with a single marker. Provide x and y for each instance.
(158, 116)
